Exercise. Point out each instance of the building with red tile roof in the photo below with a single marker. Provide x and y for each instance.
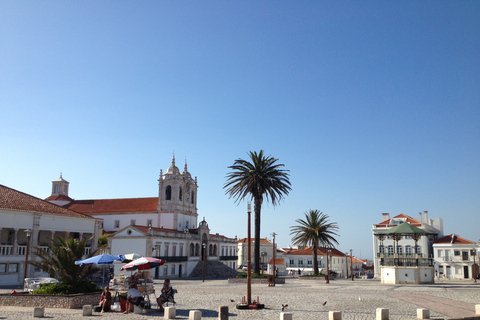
(456, 257)
(20, 212)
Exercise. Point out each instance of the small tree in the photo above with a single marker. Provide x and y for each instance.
(59, 256)
(314, 231)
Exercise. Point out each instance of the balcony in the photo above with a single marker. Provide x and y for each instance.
(400, 255)
(406, 262)
(6, 250)
(228, 258)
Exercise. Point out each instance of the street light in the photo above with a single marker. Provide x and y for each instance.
(328, 267)
(28, 231)
(346, 262)
(204, 245)
(474, 271)
(249, 262)
(274, 269)
(264, 253)
(351, 263)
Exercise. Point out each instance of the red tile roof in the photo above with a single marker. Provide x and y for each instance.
(320, 251)
(278, 261)
(456, 239)
(106, 206)
(409, 219)
(59, 197)
(252, 240)
(11, 199)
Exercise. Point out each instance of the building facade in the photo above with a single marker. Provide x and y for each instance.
(455, 257)
(165, 226)
(29, 221)
(407, 247)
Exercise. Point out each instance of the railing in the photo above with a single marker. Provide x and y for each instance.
(6, 250)
(22, 250)
(228, 258)
(400, 255)
(407, 262)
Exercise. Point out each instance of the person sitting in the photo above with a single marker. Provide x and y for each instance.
(167, 294)
(106, 300)
(134, 297)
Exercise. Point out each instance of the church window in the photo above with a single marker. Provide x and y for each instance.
(192, 250)
(180, 194)
(168, 193)
(65, 189)
(197, 250)
(215, 250)
(193, 197)
(55, 189)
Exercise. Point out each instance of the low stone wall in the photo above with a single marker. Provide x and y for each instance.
(69, 301)
(256, 280)
(313, 278)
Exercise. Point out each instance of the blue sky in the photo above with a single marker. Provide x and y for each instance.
(372, 106)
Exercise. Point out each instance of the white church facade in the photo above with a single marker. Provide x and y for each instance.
(166, 226)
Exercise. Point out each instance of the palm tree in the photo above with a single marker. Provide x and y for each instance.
(261, 178)
(314, 231)
(59, 256)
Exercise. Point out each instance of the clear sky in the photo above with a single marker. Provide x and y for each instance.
(372, 106)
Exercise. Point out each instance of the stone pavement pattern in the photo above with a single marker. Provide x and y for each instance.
(356, 299)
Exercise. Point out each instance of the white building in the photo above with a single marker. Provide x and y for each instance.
(301, 258)
(165, 226)
(407, 247)
(266, 251)
(454, 257)
(20, 212)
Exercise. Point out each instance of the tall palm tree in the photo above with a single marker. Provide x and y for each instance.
(59, 256)
(258, 179)
(314, 231)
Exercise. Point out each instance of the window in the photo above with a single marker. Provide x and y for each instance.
(439, 253)
(418, 249)
(12, 267)
(117, 224)
(55, 189)
(65, 189)
(192, 250)
(381, 249)
(180, 194)
(400, 250)
(173, 269)
(181, 250)
(149, 222)
(193, 197)
(292, 262)
(168, 193)
(3, 267)
(408, 250)
(309, 262)
(390, 249)
(166, 249)
(300, 262)
(133, 222)
(223, 251)
(174, 250)
(456, 252)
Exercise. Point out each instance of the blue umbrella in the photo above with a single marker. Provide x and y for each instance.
(100, 259)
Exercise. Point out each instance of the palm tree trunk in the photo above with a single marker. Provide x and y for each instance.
(315, 262)
(256, 251)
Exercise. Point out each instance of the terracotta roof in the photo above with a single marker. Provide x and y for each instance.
(453, 238)
(409, 219)
(106, 206)
(252, 240)
(320, 251)
(145, 229)
(59, 197)
(11, 199)
(278, 261)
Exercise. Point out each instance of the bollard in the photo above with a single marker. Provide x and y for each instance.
(87, 310)
(195, 315)
(170, 313)
(335, 315)
(382, 314)
(137, 309)
(477, 309)
(223, 313)
(39, 312)
(286, 316)
(423, 313)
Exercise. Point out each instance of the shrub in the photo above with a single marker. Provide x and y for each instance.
(253, 275)
(62, 288)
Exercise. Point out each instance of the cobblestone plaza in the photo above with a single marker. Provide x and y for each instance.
(357, 299)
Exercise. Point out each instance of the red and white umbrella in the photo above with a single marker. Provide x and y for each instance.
(129, 257)
(143, 263)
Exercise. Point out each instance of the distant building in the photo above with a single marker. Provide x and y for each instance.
(165, 226)
(301, 258)
(407, 247)
(266, 251)
(454, 257)
(20, 212)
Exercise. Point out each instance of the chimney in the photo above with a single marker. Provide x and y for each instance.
(385, 216)
(425, 215)
(420, 216)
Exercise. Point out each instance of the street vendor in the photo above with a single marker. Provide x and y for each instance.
(134, 297)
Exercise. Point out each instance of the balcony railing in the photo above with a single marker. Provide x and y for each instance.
(6, 250)
(407, 262)
(228, 258)
(400, 255)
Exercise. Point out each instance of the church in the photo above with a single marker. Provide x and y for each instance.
(164, 227)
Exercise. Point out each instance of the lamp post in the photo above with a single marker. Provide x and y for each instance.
(274, 269)
(474, 271)
(346, 262)
(328, 267)
(351, 263)
(263, 261)
(249, 263)
(26, 256)
(204, 246)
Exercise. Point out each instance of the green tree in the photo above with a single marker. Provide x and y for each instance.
(103, 240)
(261, 178)
(58, 258)
(314, 231)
